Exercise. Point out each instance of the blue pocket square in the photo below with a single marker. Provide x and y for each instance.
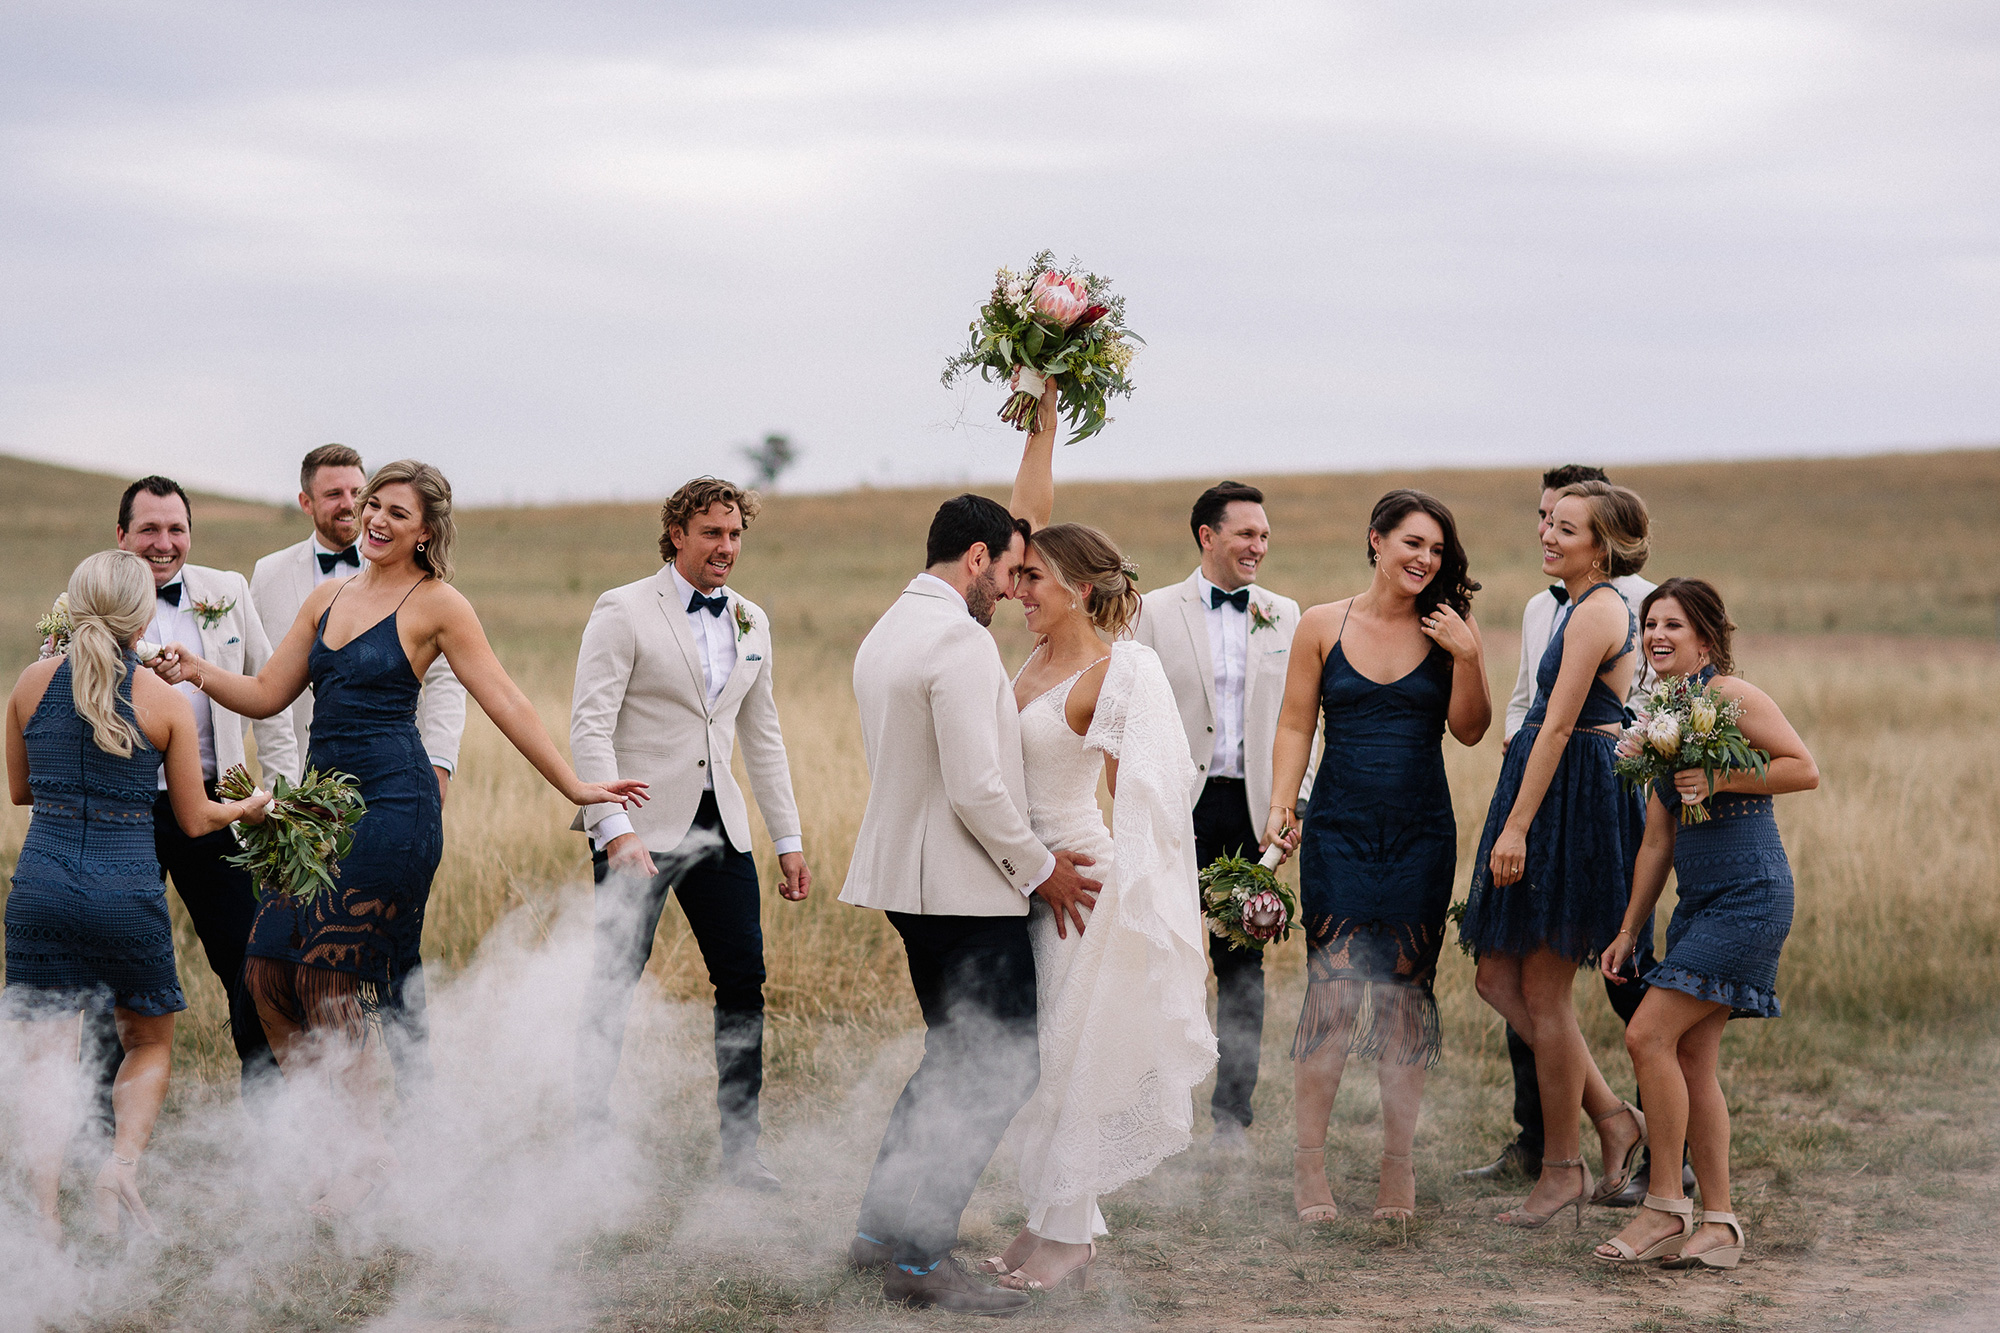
(754, 657)
(230, 640)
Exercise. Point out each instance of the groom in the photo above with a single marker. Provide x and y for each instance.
(946, 852)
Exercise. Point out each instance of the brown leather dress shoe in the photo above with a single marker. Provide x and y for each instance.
(865, 1253)
(950, 1287)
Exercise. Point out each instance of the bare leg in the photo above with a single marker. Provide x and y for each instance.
(1316, 1082)
(136, 1097)
(1570, 1081)
(1402, 1095)
(1708, 1125)
(1663, 1023)
(48, 1111)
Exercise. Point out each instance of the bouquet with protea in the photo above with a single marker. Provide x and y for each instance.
(1051, 324)
(1684, 724)
(307, 828)
(54, 630)
(1245, 901)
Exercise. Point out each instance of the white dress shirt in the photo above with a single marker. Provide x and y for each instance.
(715, 642)
(1228, 649)
(177, 624)
(1538, 626)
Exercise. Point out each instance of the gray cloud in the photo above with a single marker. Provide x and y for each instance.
(586, 253)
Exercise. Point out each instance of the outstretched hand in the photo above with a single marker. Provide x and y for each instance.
(619, 791)
(1069, 893)
(175, 664)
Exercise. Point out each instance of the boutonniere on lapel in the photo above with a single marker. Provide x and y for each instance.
(210, 614)
(743, 622)
(1260, 618)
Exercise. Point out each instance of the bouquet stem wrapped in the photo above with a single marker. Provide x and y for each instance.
(306, 830)
(1050, 324)
(1686, 724)
(1245, 901)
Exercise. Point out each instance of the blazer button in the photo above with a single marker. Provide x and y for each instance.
(1211, 731)
(701, 763)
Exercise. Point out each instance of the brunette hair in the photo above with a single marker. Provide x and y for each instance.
(694, 498)
(1453, 584)
(110, 602)
(1618, 521)
(1706, 616)
(969, 520)
(1214, 502)
(327, 455)
(1087, 563)
(1569, 474)
(434, 495)
(156, 485)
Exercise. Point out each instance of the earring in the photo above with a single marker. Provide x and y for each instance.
(420, 551)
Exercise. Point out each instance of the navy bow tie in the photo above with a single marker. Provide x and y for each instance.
(715, 605)
(171, 594)
(1559, 592)
(328, 559)
(1240, 599)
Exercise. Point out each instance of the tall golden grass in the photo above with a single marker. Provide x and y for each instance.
(1896, 855)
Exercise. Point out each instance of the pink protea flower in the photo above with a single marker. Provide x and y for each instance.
(1263, 916)
(1061, 298)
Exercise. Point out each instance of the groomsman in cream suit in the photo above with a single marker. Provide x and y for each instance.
(330, 482)
(946, 853)
(1225, 644)
(211, 608)
(674, 673)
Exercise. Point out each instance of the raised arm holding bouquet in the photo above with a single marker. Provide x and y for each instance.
(1051, 326)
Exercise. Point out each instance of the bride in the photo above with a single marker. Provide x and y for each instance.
(1123, 1027)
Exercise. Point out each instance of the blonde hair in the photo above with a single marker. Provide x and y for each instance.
(110, 602)
(1618, 522)
(1087, 564)
(434, 494)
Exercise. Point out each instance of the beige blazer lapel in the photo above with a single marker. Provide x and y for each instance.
(674, 612)
(1251, 649)
(744, 671)
(1194, 617)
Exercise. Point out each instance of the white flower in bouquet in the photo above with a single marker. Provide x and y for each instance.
(1701, 717)
(1664, 733)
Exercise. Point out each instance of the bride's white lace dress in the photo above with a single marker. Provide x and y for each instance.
(1124, 1029)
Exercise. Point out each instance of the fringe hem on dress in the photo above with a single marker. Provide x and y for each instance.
(1387, 1020)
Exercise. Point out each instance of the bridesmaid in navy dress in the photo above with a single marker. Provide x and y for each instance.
(364, 644)
(1391, 670)
(1728, 927)
(87, 923)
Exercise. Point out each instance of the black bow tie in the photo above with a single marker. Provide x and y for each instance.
(1240, 599)
(171, 594)
(328, 559)
(715, 605)
(1559, 592)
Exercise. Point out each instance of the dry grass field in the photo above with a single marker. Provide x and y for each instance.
(1866, 1141)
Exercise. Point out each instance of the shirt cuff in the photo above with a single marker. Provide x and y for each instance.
(786, 846)
(1048, 868)
(450, 766)
(613, 826)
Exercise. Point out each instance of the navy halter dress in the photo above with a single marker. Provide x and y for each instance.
(1735, 905)
(371, 923)
(87, 919)
(1572, 894)
(1376, 865)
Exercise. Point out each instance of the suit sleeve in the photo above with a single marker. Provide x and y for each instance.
(1524, 681)
(277, 739)
(763, 744)
(441, 715)
(603, 671)
(962, 701)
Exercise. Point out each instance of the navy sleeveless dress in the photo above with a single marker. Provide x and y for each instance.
(1572, 894)
(1377, 860)
(87, 919)
(371, 923)
(1735, 906)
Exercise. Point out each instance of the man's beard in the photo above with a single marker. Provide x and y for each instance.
(981, 598)
(332, 541)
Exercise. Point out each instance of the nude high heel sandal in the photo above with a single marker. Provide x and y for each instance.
(1314, 1213)
(1613, 1186)
(1077, 1276)
(1531, 1221)
(1396, 1212)
(117, 1187)
(1722, 1256)
(1666, 1245)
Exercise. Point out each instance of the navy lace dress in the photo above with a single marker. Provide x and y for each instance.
(364, 723)
(1735, 906)
(1572, 895)
(87, 919)
(1376, 865)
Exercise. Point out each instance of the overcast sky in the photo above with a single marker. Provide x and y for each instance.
(576, 250)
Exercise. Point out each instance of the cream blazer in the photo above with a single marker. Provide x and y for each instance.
(280, 585)
(946, 828)
(237, 642)
(641, 710)
(1174, 624)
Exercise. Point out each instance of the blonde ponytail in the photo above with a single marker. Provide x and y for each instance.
(1087, 563)
(110, 602)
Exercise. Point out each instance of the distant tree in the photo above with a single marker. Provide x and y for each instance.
(771, 458)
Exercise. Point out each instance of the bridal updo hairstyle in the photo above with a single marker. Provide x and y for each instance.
(1087, 565)
(110, 604)
(1702, 606)
(1618, 522)
(1453, 584)
(694, 498)
(434, 494)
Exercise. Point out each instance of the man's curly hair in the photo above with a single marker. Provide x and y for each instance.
(695, 498)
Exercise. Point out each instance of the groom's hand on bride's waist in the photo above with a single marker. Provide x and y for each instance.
(1068, 892)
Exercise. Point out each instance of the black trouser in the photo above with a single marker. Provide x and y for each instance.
(221, 902)
(975, 982)
(717, 887)
(1527, 1085)
(1222, 827)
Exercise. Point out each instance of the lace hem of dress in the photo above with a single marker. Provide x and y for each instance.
(23, 1000)
(1744, 1001)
